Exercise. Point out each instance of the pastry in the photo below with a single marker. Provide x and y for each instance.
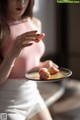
(44, 73)
(53, 70)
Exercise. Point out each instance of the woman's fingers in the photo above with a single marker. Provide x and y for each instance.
(42, 35)
(55, 65)
(39, 37)
(26, 45)
(49, 63)
(27, 34)
(34, 37)
(28, 38)
(30, 33)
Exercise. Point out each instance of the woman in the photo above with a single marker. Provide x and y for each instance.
(21, 49)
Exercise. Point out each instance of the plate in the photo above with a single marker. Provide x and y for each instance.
(63, 73)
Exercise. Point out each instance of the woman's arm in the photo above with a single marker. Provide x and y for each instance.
(5, 68)
(6, 65)
(21, 42)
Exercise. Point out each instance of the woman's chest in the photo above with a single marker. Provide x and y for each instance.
(16, 30)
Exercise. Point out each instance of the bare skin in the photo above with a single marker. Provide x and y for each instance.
(21, 42)
(16, 9)
(43, 115)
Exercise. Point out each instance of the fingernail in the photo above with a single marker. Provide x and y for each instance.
(35, 31)
(37, 40)
(38, 34)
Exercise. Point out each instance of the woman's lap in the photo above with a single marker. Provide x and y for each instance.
(20, 99)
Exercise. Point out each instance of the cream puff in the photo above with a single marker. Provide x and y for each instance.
(53, 70)
(44, 73)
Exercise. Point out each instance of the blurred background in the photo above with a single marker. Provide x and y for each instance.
(61, 24)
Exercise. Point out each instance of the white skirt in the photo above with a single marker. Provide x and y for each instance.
(20, 99)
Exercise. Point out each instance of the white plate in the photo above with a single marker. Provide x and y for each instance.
(63, 73)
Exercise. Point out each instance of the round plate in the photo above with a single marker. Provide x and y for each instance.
(63, 73)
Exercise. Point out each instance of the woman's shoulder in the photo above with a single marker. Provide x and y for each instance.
(36, 21)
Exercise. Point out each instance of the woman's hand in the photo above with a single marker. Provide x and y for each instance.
(48, 63)
(25, 40)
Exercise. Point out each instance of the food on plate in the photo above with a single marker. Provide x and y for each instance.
(44, 73)
(53, 70)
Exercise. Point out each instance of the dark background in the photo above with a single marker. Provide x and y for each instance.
(68, 37)
(61, 24)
